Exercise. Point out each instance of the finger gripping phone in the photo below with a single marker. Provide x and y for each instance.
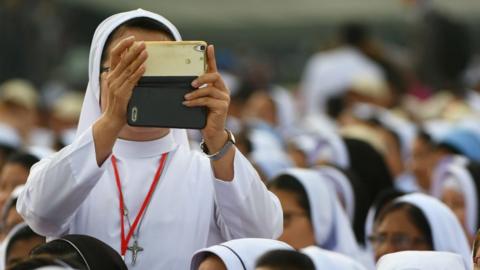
(157, 99)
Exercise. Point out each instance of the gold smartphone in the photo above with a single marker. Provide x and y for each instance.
(175, 58)
(171, 67)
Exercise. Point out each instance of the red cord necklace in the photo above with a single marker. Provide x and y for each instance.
(124, 212)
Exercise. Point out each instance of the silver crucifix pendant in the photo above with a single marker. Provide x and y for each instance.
(135, 249)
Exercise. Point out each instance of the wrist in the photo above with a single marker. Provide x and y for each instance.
(109, 125)
(216, 141)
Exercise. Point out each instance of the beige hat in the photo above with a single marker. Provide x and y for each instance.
(370, 86)
(69, 106)
(20, 92)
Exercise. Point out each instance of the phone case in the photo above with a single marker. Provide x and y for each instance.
(157, 102)
(157, 99)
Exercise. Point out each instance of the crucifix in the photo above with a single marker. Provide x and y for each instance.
(135, 249)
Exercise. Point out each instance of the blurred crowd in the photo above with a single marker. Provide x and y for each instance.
(374, 155)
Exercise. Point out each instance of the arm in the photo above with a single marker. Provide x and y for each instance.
(58, 185)
(244, 206)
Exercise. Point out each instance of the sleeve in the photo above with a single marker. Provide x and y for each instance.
(57, 186)
(244, 207)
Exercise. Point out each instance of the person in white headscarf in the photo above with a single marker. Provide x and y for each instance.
(18, 244)
(419, 222)
(458, 187)
(421, 260)
(100, 183)
(324, 259)
(240, 254)
(313, 215)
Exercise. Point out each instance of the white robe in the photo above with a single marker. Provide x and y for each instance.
(69, 194)
(421, 260)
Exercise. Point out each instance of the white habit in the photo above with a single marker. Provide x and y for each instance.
(68, 193)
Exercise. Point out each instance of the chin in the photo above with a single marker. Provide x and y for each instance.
(143, 133)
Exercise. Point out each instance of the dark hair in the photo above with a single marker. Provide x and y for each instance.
(354, 34)
(384, 198)
(24, 233)
(289, 183)
(82, 252)
(63, 251)
(25, 159)
(141, 22)
(285, 260)
(371, 170)
(415, 216)
(474, 169)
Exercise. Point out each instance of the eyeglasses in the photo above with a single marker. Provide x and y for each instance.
(399, 241)
(289, 216)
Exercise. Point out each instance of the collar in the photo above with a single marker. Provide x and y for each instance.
(144, 149)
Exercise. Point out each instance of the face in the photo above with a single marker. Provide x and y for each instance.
(21, 249)
(212, 262)
(477, 255)
(419, 164)
(128, 132)
(12, 175)
(297, 227)
(260, 106)
(397, 233)
(456, 202)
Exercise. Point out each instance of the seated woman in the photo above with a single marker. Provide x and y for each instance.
(236, 254)
(459, 187)
(313, 215)
(421, 260)
(418, 222)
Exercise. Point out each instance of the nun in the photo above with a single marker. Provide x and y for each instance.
(81, 252)
(419, 222)
(143, 191)
(421, 260)
(459, 187)
(239, 254)
(313, 215)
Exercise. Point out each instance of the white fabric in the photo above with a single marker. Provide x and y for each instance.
(68, 193)
(328, 144)
(90, 108)
(447, 233)
(325, 259)
(342, 186)
(421, 260)
(331, 73)
(9, 136)
(466, 184)
(240, 254)
(285, 109)
(331, 226)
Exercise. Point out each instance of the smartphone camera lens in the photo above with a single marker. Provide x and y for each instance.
(202, 47)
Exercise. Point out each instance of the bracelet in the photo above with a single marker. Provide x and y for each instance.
(218, 155)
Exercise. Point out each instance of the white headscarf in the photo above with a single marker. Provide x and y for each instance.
(239, 254)
(460, 174)
(421, 260)
(91, 108)
(331, 226)
(447, 233)
(342, 186)
(324, 259)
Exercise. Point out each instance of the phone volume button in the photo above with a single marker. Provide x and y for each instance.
(134, 114)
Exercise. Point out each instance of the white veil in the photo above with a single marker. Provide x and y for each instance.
(91, 108)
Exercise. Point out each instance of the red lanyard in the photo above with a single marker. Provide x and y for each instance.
(125, 240)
